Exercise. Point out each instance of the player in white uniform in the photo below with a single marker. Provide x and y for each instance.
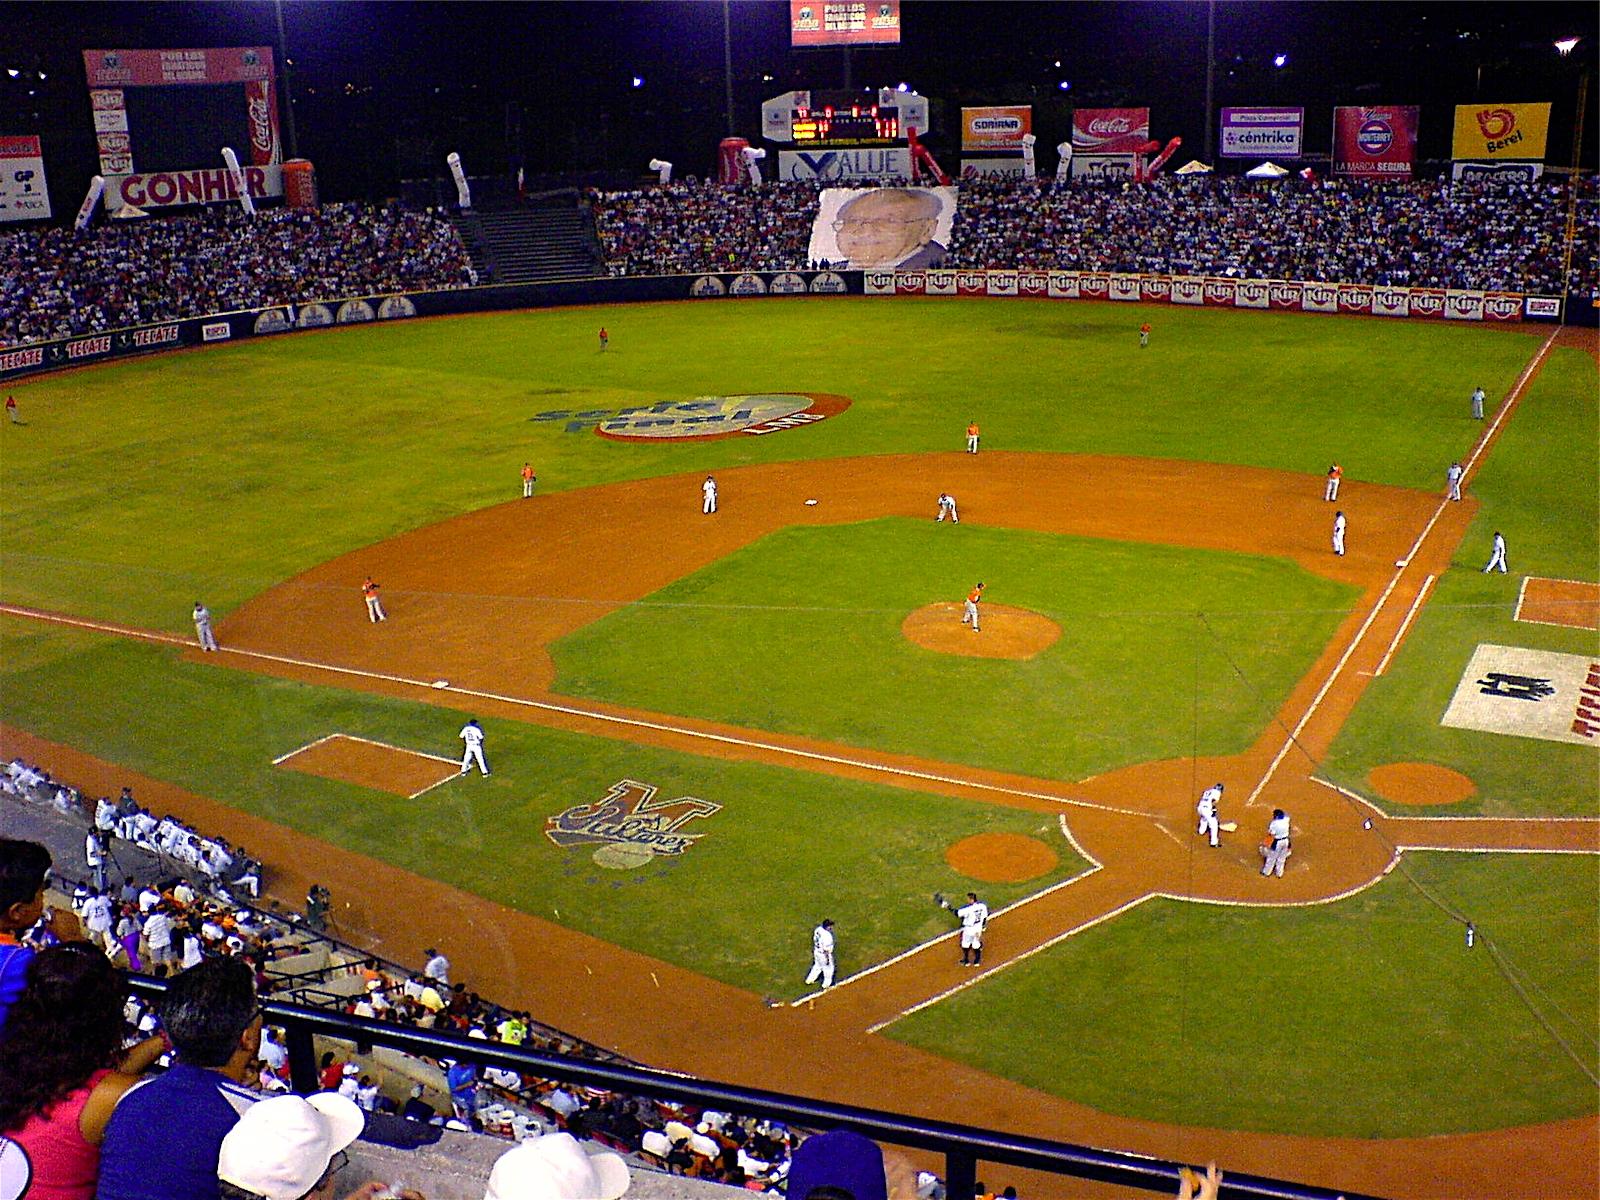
(1275, 852)
(1452, 478)
(822, 955)
(708, 493)
(1497, 556)
(1477, 404)
(947, 508)
(202, 626)
(472, 735)
(1210, 802)
(974, 916)
(1338, 534)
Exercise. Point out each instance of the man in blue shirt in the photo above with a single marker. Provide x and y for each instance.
(163, 1139)
(24, 873)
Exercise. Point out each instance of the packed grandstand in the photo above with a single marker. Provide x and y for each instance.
(1494, 236)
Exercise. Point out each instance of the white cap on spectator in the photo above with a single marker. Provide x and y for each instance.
(555, 1167)
(350, 1068)
(281, 1146)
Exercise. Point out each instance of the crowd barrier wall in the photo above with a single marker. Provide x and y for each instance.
(1208, 291)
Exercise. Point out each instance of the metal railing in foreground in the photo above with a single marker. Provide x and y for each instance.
(963, 1146)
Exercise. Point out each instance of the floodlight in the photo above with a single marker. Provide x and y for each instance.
(1280, 60)
(1564, 47)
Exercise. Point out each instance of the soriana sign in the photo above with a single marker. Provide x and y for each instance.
(995, 128)
(1375, 143)
(1500, 131)
(1109, 130)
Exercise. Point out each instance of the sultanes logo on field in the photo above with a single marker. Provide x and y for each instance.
(1529, 693)
(630, 826)
(703, 417)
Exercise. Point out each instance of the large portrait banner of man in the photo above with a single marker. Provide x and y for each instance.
(874, 228)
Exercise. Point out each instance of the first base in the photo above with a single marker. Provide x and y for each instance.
(441, 684)
(1400, 562)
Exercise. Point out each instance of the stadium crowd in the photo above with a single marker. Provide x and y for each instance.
(1429, 233)
(62, 283)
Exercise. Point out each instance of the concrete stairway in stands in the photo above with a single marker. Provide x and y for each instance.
(529, 245)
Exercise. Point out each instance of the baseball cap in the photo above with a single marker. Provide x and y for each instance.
(840, 1159)
(281, 1146)
(555, 1167)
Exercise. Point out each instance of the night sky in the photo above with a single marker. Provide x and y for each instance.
(384, 90)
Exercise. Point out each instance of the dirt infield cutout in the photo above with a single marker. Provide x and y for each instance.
(369, 764)
(1559, 602)
(1001, 857)
(1416, 783)
(1012, 633)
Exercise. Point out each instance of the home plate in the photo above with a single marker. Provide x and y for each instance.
(441, 684)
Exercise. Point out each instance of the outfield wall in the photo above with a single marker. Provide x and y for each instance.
(1207, 291)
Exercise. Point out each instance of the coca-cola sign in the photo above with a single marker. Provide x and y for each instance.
(263, 132)
(1110, 130)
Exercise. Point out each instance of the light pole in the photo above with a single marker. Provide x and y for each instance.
(1211, 61)
(288, 94)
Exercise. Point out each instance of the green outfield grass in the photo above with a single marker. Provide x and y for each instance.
(801, 633)
(787, 848)
(1365, 1018)
(136, 488)
(1538, 486)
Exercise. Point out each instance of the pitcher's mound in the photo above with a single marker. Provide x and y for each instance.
(1007, 632)
(1420, 783)
(1000, 857)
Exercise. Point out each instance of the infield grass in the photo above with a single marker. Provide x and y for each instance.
(1365, 1018)
(786, 849)
(801, 633)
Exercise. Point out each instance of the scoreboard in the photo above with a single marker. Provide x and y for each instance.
(844, 118)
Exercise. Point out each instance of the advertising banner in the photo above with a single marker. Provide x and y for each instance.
(868, 228)
(1375, 143)
(1286, 294)
(1155, 289)
(23, 195)
(1123, 287)
(162, 189)
(1188, 289)
(995, 128)
(1513, 172)
(1426, 302)
(1463, 306)
(1500, 131)
(941, 283)
(1502, 306)
(892, 162)
(1063, 285)
(1521, 692)
(844, 22)
(1033, 283)
(1319, 297)
(1109, 130)
(1355, 298)
(992, 168)
(1391, 302)
(1219, 292)
(1001, 283)
(1252, 293)
(1102, 166)
(1262, 132)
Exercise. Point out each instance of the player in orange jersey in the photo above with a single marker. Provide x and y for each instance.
(969, 612)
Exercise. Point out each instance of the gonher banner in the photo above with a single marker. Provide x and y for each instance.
(1375, 143)
(1500, 131)
(162, 189)
(169, 111)
(1109, 130)
(883, 227)
(1262, 132)
(844, 22)
(23, 195)
(995, 128)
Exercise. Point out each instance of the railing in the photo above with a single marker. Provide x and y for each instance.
(963, 1146)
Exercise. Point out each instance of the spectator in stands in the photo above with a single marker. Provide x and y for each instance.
(162, 1141)
(293, 1148)
(437, 968)
(416, 1108)
(556, 1167)
(24, 875)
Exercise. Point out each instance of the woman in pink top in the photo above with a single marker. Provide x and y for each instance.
(63, 1069)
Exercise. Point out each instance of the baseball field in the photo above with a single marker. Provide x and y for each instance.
(708, 732)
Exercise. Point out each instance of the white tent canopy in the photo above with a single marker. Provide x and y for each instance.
(1267, 170)
(128, 212)
(1193, 167)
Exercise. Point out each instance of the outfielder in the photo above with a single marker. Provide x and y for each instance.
(202, 626)
(708, 495)
(974, 918)
(1497, 556)
(1338, 534)
(947, 507)
(1210, 802)
(1452, 479)
(1335, 473)
(969, 612)
(1275, 850)
(822, 955)
(528, 480)
(1144, 335)
(472, 734)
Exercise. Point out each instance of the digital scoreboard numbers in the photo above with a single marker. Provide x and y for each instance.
(844, 118)
(858, 125)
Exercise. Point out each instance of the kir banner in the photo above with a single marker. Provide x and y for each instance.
(1500, 131)
(1262, 132)
(1109, 130)
(1375, 143)
(23, 195)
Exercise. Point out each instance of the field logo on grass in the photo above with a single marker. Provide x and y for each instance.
(709, 416)
(629, 826)
(1529, 693)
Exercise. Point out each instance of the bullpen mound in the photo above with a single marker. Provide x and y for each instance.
(1007, 632)
(1001, 857)
(1420, 784)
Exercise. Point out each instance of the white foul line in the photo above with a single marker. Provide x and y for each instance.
(1522, 590)
(1404, 625)
(1387, 816)
(585, 713)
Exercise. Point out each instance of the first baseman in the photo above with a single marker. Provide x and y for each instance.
(969, 612)
(1210, 801)
(947, 508)
(1452, 478)
(822, 955)
(202, 626)
(472, 734)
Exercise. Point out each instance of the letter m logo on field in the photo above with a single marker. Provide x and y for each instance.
(630, 812)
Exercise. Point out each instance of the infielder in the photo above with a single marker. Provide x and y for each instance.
(1497, 556)
(472, 735)
(1210, 802)
(969, 612)
(1275, 850)
(375, 612)
(708, 495)
(974, 918)
(1453, 480)
(1338, 533)
(1477, 404)
(947, 508)
(202, 626)
(822, 955)
(528, 480)
(1335, 473)
(972, 438)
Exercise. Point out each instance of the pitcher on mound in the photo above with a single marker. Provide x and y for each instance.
(969, 611)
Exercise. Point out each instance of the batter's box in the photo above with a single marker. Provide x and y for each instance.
(369, 764)
(1559, 602)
